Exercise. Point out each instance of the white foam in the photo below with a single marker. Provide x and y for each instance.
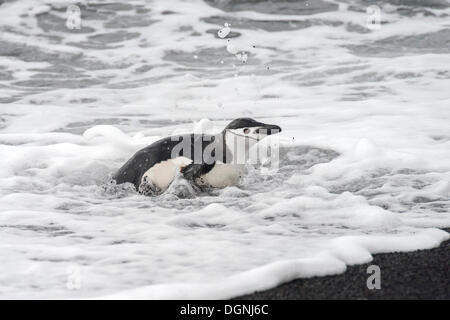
(347, 251)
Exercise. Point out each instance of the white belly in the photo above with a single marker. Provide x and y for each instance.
(221, 176)
(163, 173)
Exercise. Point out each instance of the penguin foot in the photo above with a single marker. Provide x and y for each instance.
(147, 188)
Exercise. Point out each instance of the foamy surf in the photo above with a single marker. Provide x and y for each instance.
(363, 160)
(346, 251)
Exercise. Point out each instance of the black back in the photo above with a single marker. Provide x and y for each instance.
(161, 150)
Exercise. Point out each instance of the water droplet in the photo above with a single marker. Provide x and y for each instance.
(231, 48)
(222, 33)
(244, 57)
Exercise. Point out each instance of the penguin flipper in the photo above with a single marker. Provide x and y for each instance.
(195, 170)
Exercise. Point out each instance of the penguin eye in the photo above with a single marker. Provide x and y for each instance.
(246, 130)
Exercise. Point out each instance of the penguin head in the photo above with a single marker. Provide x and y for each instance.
(250, 129)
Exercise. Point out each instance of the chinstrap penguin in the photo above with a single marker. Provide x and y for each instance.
(207, 160)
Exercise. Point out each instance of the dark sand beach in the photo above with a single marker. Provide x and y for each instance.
(423, 274)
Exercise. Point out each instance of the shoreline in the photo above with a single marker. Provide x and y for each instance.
(422, 274)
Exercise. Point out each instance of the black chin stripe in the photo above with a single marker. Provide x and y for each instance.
(240, 135)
